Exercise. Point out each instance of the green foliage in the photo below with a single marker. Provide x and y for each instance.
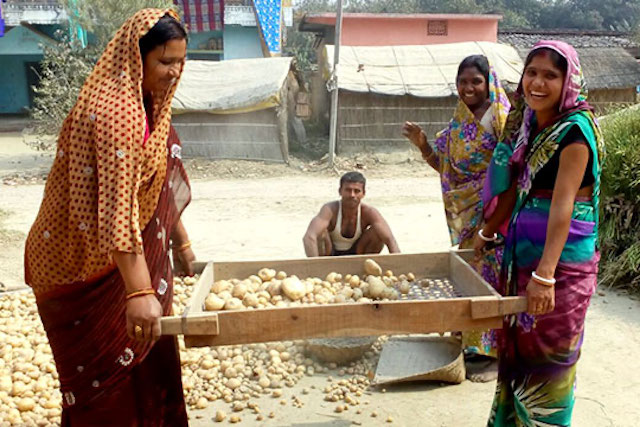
(64, 69)
(66, 64)
(299, 44)
(620, 217)
(382, 6)
(619, 15)
(102, 18)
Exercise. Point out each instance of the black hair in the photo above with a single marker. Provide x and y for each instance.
(167, 28)
(559, 61)
(353, 177)
(480, 62)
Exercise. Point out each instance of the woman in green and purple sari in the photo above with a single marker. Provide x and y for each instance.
(546, 175)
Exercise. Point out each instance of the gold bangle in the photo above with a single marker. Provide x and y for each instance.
(141, 292)
(182, 247)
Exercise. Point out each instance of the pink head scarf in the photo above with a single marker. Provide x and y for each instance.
(574, 91)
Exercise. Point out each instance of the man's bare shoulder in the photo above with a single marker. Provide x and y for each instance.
(329, 209)
(333, 206)
(368, 209)
(369, 213)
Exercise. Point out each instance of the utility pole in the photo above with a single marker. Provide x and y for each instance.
(333, 86)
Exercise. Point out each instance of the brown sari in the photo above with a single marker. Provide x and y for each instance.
(105, 377)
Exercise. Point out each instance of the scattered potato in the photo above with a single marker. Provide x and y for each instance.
(372, 268)
(293, 288)
(266, 274)
(233, 304)
(354, 281)
(213, 302)
(274, 288)
(376, 286)
(26, 404)
(220, 416)
(239, 290)
(250, 300)
(233, 383)
(201, 403)
(387, 293)
(221, 285)
(332, 277)
(404, 287)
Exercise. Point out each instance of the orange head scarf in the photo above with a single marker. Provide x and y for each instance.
(105, 182)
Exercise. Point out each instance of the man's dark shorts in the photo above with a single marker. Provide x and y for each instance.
(350, 251)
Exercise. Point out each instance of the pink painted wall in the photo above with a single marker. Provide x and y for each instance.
(389, 31)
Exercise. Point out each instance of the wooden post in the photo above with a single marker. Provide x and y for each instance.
(333, 132)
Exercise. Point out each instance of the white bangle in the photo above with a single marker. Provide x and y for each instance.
(485, 238)
(544, 281)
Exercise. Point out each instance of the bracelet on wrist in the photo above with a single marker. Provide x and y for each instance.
(487, 239)
(139, 293)
(184, 246)
(542, 280)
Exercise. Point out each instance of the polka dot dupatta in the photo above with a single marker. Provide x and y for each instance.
(105, 182)
(113, 187)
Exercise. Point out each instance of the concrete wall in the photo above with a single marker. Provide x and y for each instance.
(14, 90)
(411, 31)
(241, 42)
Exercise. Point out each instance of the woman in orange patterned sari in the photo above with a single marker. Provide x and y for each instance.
(97, 254)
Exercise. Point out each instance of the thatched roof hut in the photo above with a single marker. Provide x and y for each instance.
(383, 86)
(610, 69)
(237, 109)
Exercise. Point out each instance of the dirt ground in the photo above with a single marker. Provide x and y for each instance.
(243, 210)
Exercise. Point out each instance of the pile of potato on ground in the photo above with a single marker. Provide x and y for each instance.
(238, 375)
(29, 393)
(233, 376)
(230, 376)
